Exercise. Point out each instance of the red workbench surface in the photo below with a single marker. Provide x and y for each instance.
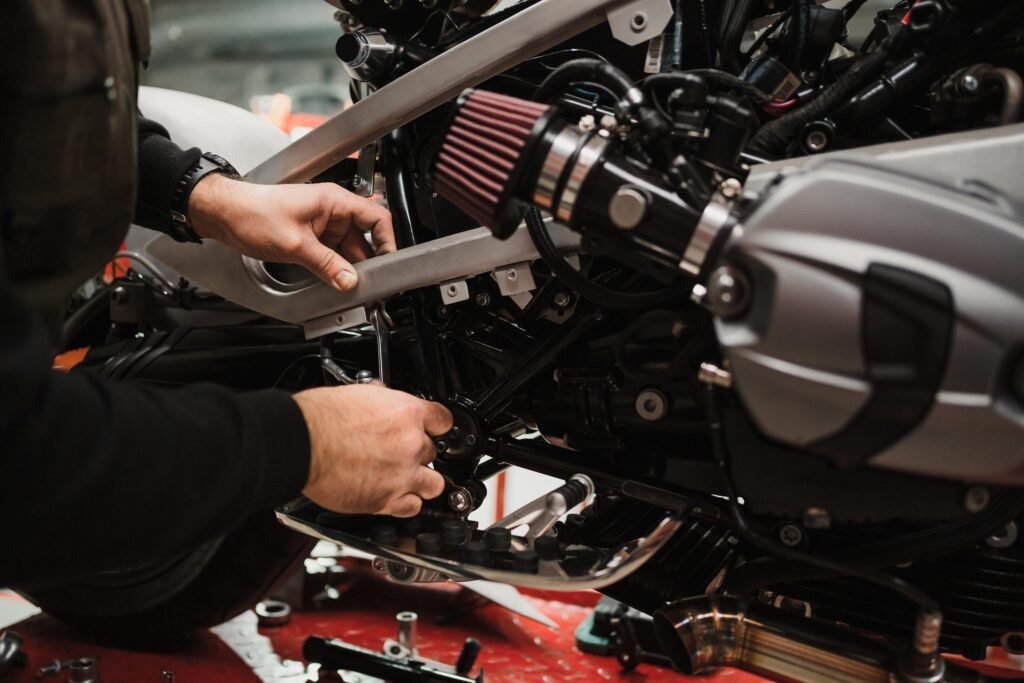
(514, 648)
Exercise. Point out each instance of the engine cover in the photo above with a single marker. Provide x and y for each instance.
(885, 321)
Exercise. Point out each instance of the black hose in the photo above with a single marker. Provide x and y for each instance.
(585, 71)
(588, 289)
(731, 57)
(774, 137)
(787, 553)
(715, 76)
(937, 541)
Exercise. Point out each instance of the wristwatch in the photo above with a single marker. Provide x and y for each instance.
(181, 228)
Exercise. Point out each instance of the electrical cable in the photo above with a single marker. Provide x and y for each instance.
(148, 265)
(586, 288)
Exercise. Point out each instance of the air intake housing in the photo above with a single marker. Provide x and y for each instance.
(484, 153)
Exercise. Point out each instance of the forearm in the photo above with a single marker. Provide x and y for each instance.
(162, 165)
(101, 475)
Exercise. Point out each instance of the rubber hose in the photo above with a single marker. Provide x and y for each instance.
(598, 294)
(774, 137)
(730, 52)
(584, 70)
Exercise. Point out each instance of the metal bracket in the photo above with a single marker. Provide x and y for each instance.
(515, 279)
(542, 513)
(454, 292)
(341, 320)
(366, 171)
(640, 20)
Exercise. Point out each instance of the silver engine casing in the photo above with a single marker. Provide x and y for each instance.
(845, 253)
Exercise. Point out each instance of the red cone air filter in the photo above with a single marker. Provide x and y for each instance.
(483, 152)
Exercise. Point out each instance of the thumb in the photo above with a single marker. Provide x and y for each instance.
(328, 265)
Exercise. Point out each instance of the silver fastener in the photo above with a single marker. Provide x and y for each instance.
(731, 188)
(791, 535)
(627, 208)
(976, 499)
(651, 405)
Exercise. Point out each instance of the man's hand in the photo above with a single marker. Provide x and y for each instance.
(316, 226)
(370, 447)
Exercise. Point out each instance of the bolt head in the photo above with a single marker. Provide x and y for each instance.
(969, 83)
(470, 440)
(728, 292)
(482, 299)
(458, 500)
(791, 535)
(561, 299)
(441, 446)
(731, 188)
(976, 499)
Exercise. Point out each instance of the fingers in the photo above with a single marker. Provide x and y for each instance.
(427, 483)
(327, 264)
(365, 214)
(436, 418)
(428, 452)
(355, 246)
(407, 505)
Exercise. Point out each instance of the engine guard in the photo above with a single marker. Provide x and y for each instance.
(582, 567)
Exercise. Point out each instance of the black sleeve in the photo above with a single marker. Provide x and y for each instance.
(99, 475)
(162, 164)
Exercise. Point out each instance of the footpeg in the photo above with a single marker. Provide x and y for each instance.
(432, 548)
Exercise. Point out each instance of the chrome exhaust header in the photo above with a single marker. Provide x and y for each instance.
(703, 633)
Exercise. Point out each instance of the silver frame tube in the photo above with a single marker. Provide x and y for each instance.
(483, 56)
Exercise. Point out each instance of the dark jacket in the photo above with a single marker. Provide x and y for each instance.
(97, 475)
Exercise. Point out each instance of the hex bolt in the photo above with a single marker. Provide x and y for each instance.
(791, 535)
(816, 141)
(731, 188)
(442, 446)
(482, 299)
(728, 291)
(459, 500)
(976, 499)
(561, 299)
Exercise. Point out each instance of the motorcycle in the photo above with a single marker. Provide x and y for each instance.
(747, 285)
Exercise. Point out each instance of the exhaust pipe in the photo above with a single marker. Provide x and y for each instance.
(703, 633)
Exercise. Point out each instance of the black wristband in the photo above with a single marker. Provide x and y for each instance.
(181, 229)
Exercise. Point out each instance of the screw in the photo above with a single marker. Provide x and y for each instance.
(471, 440)
(442, 446)
(562, 299)
(728, 291)
(482, 299)
(791, 535)
(459, 500)
(816, 141)
(731, 188)
(587, 122)
(969, 83)
(512, 275)
(976, 499)
(358, 182)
